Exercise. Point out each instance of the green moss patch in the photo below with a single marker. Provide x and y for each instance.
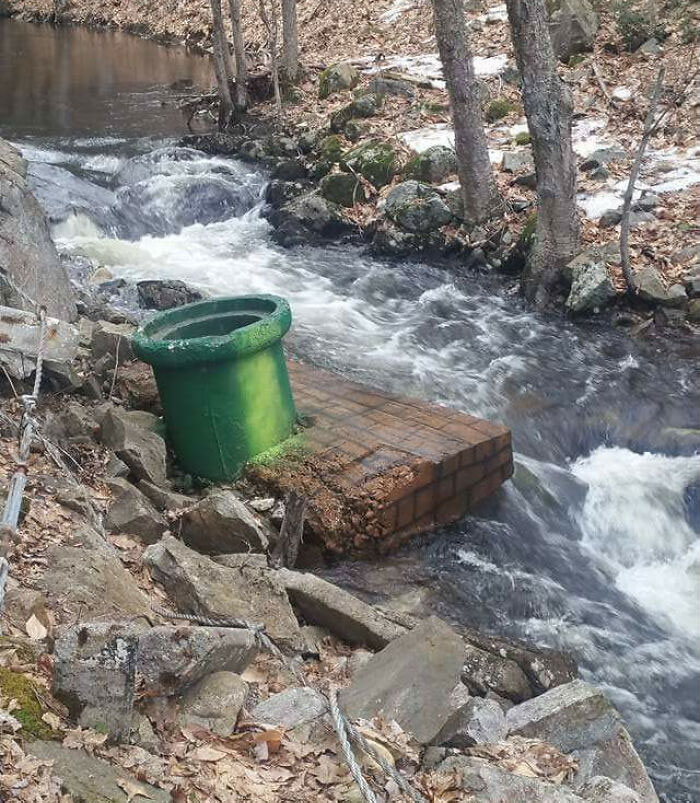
(498, 109)
(19, 687)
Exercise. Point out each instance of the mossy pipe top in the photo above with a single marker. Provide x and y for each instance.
(213, 331)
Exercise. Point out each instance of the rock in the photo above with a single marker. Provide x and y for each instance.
(479, 721)
(116, 467)
(646, 203)
(382, 85)
(570, 716)
(573, 26)
(650, 48)
(513, 161)
(22, 603)
(309, 218)
(143, 735)
(614, 758)
(355, 130)
(364, 106)
(214, 703)
(278, 193)
(417, 207)
(610, 218)
(337, 78)
(347, 617)
(330, 149)
(88, 779)
(375, 160)
(651, 288)
(312, 638)
(290, 708)
(289, 170)
(163, 499)
(341, 188)
(694, 310)
(434, 165)
(639, 218)
(690, 254)
(137, 386)
(485, 783)
(85, 574)
(140, 448)
(110, 338)
(20, 334)
(605, 790)
(591, 288)
(602, 157)
(162, 295)
(667, 317)
(73, 420)
(692, 286)
(484, 672)
(27, 253)
(411, 681)
(201, 586)
(222, 522)
(173, 657)
(528, 180)
(131, 512)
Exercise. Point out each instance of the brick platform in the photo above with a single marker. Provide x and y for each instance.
(378, 468)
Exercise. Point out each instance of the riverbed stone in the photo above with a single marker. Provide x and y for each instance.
(308, 218)
(434, 165)
(573, 26)
(214, 703)
(694, 310)
(162, 294)
(131, 512)
(222, 522)
(479, 721)
(200, 586)
(133, 442)
(374, 159)
(610, 218)
(485, 671)
(591, 286)
(163, 499)
(651, 287)
(411, 681)
(602, 157)
(349, 618)
(417, 207)
(574, 715)
(113, 339)
(28, 255)
(341, 188)
(337, 78)
(290, 708)
(605, 790)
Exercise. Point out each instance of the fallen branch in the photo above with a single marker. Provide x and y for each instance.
(286, 550)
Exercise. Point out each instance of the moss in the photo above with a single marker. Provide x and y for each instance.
(576, 59)
(292, 450)
(15, 686)
(523, 138)
(529, 229)
(498, 109)
(374, 159)
(433, 107)
(330, 149)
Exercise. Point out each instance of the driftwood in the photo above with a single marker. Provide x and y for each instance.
(286, 550)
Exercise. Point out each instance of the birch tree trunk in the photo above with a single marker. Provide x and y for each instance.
(548, 107)
(474, 167)
(290, 40)
(241, 100)
(220, 67)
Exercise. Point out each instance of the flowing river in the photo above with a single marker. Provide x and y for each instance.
(593, 547)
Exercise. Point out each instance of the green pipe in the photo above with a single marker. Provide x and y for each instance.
(222, 379)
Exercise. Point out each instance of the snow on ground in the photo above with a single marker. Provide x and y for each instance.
(428, 66)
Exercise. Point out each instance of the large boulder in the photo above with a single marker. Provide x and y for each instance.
(343, 189)
(200, 586)
(417, 207)
(222, 522)
(308, 218)
(411, 681)
(574, 715)
(214, 703)
(573, 26)
(349, 618)
(377, 161)
(651, 288)
(131, 438)
(591, 287)
(479, 721)
(131, 512)
(31, 271)
(112, 339)
(161, 295)
(434, 165)
(486, 671)
(366, 105)
(337, 78)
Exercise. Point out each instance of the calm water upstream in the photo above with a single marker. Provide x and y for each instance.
(594, 546)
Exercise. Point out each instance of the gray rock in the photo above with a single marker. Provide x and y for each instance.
(640, 218)
(610, 218)
(222, 522)
(131, 512)
(94, 674)
(290, 708)
(615, 758)
(650, 48)
(88, 779)
(85, 574)
(692, 286)
(22, 603)
(514, 161)
(603, 156)
(479, 721)
(605, 790)
(376, 160)
(312, 638)
(341, 188)
(163, 499)
(308, 218)
(391, 86)
(591, 287)
(140, 448)
(160, 294)
(646, 203)
(570, 716)
(108, 338)
(572, 27)
(690, 253)
(651, 288)
(434, 165)
(417, 207)
(337, 78)
(352, 620)
(214, 703)
(116, 467)
(27, 253)
(411, 681)
(73, 420)
(485, 783)
(484, 671)
(694, 310)
(201, 586)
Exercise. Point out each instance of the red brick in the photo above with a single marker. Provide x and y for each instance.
(388, 516)
(507, 470)
(488, 486)
(449, 465)
(452, 509)
(484, 450)
(467, 457)
(498, 460)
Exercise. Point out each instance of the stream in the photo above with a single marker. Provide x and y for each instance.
(593, 547)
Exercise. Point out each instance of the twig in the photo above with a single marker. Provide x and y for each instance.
(116, 368)
(601, 82)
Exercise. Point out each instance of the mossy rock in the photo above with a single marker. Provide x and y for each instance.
(498, 109)
(435, 164)
(340, 188)
(355, 130)
(320, 169)
(523, 138)
(330, 149)
(417, 207)
(19, 687)
(375, 160)
(337, 78)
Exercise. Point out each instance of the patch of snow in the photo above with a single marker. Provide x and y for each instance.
(594, 205)
(496, 14)
(622, 93)
(396, 9)
(429, 67)
(518, 128)
(583, 140)
(495, 156)
(450, 186)
(421, 139)
(490, 65)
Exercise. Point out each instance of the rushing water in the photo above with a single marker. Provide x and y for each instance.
(592, 548)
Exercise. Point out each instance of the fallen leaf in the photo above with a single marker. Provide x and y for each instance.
(52, 720)
(35, 630)
(206, 753)
(132, 789)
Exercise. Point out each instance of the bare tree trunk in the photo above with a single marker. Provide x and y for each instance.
(287, 549)
(220, 67)
(270, 22)
(548, 107)
(475, 174)
(239, 55)
(649, 128)
(290, 40)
